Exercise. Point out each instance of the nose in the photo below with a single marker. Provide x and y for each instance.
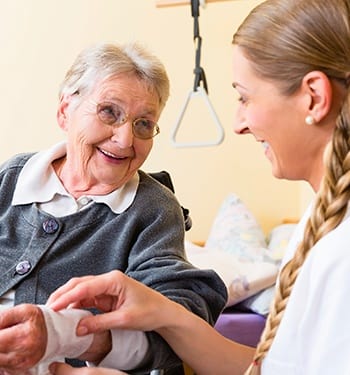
(240, 128)
(240, 124)
(123, 135)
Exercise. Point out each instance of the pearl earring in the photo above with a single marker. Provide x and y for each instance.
(309, 120)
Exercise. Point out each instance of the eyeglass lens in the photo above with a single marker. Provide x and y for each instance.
(113, 114)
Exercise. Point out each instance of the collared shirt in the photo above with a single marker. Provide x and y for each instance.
(38, 183)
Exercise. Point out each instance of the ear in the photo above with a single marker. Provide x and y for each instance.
(318, 90)
(62, 112)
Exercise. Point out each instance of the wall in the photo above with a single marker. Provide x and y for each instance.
(39, 39)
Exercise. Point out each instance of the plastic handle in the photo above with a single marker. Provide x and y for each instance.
(220, 130)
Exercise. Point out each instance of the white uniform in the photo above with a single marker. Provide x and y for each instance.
(314, 335)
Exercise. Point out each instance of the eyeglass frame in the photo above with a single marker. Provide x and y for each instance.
(156, 129)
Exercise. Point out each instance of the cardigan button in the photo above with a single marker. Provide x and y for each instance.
(50, 226)
(23, 267)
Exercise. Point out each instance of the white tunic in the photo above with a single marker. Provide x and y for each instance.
(314, 335)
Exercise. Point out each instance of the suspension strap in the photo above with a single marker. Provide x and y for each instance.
(199, 74)
(200, 89)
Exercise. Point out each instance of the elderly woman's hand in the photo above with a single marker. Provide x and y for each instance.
(58, 368)
(23, 338)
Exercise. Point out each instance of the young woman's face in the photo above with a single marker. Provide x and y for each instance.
(276, 121)
(108, 155)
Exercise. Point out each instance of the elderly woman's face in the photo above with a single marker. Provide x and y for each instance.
(106, 156)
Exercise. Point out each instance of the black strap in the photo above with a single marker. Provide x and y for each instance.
(164, 178)
(199, 74)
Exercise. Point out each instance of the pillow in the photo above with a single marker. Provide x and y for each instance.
(237, 250)
(241, 278)
(278, 240)
(277, 243)
(236, 231)
(260, 302)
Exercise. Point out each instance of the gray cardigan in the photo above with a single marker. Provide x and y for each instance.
(39, 252)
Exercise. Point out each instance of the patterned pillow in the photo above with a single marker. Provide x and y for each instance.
(236, 231)
(238, 251)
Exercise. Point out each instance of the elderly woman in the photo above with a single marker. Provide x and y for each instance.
(83, 207)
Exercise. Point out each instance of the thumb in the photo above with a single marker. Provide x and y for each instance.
(59, 368)
(99, 323)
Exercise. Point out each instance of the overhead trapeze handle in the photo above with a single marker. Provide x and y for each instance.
(220, 130)
(198, 90)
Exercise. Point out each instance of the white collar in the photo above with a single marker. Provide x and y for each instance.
(39, 183)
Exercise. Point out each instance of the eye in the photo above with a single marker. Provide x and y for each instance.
(242, 100)
(239, 95)
(144, 123)
(110, 113)
(144, 127)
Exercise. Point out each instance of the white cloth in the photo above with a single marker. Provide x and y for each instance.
(129, 347)
(314, 335)
(61, 338)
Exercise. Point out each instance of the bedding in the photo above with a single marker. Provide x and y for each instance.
(248, 262)
(242, 278)
(243, 256)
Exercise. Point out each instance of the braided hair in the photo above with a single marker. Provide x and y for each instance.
(283, 41)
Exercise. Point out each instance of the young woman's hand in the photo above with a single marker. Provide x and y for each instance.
(126, 303)
(59, 368)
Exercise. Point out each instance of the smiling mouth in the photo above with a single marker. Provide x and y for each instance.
(110, 155)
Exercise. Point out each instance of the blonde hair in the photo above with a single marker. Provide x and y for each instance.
(104, 60)
(284, 40)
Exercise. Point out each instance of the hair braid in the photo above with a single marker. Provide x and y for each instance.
(330, 207)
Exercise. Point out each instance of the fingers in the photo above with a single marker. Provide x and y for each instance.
(82, 291)
(59, 300)
(127, 303)
(59, 368)
(102, 322)
(19, 314)
(19, 347)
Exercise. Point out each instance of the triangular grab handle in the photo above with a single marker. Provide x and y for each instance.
(220, 130)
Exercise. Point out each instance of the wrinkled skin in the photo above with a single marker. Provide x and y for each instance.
(20, 348)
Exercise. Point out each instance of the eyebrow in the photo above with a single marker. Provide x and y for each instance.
(236, 84)
(115, 100)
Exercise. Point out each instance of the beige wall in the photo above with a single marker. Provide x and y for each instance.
(40, 38)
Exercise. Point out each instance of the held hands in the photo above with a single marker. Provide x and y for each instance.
(23, 338)
(127, 303)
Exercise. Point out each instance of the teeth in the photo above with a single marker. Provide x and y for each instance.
(109, 154)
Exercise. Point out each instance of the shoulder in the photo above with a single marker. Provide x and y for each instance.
(15, 163)
(158, 185)
(154, 198)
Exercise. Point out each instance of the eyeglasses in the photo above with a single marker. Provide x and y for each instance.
(113, 115)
